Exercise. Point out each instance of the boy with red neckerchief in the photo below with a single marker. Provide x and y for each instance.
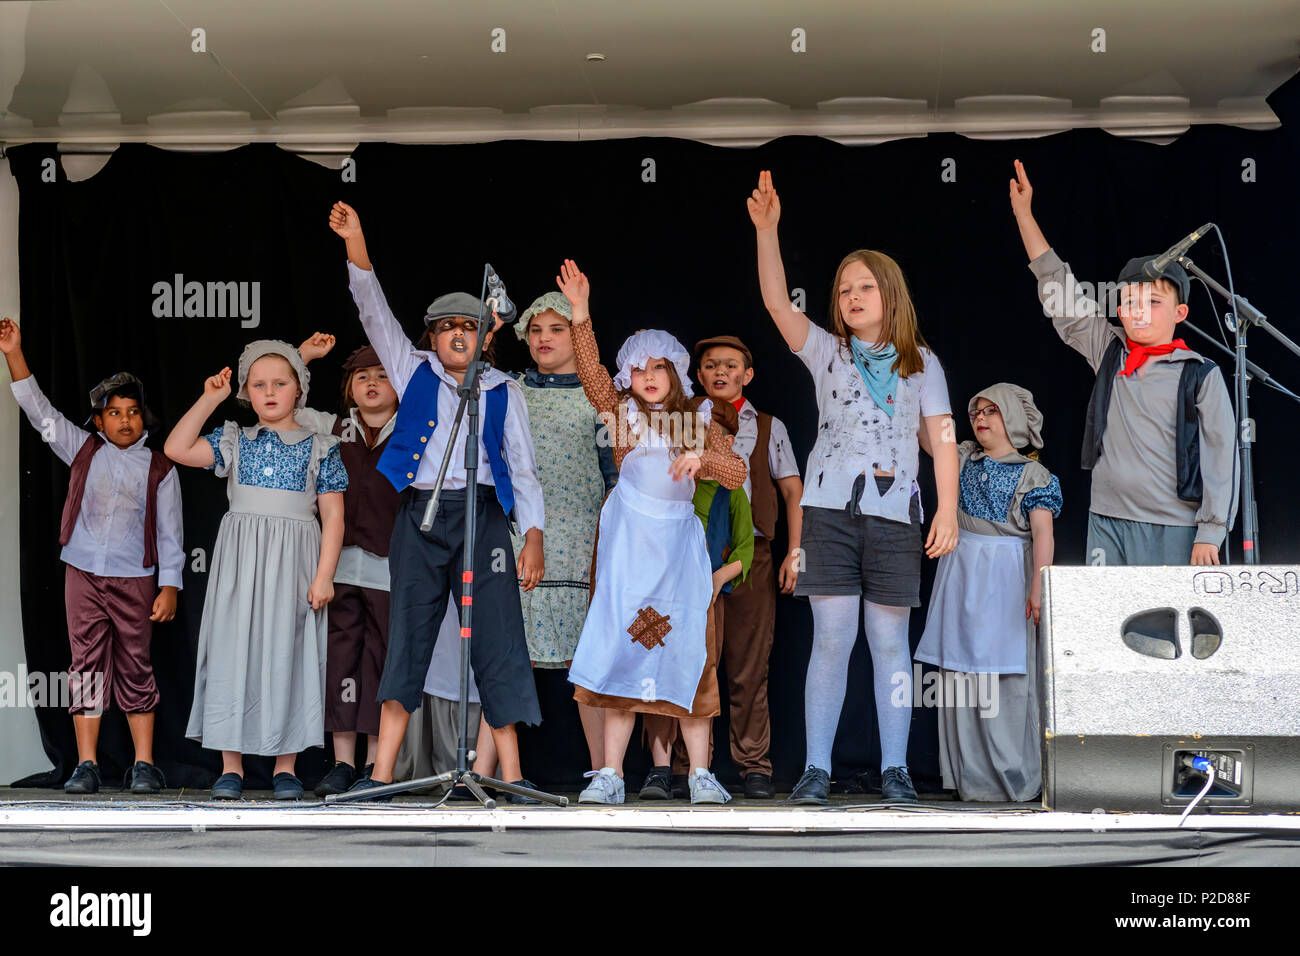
(1159, 438)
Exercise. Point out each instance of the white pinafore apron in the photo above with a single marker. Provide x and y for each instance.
(976, 619)
(651, 556)
(989, 748)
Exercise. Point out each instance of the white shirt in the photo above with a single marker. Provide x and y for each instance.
(855, 437)
(780, 453)
(401, 360)
(108, 538)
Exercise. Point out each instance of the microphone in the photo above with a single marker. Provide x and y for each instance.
(497, 298)
(1154, 268)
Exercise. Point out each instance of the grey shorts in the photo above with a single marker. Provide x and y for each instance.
(848, 553)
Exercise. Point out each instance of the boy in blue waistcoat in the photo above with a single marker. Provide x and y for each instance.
(425, 567)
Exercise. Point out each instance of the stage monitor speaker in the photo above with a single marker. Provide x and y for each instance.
(1145, 668)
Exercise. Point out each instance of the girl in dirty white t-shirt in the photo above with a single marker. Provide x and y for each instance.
(881, 395)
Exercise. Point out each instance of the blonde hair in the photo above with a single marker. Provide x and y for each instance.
(898, 313)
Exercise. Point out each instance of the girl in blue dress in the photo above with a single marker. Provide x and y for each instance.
(259, 683)
(981, 627)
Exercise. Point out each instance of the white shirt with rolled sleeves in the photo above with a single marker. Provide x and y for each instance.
(108, 538)
(401, 359)
(780, 453)
(855, 436)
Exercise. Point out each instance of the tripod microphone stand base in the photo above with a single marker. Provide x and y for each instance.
(473, 783)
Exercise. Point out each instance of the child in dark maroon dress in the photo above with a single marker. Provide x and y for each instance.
(358, 615)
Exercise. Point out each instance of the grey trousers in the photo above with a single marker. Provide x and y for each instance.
(429, 746)
(1120, 542)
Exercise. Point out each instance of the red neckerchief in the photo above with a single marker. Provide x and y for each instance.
(1138, 354)
(738, 402)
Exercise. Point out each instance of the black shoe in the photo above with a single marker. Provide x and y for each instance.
(145, 778)
(366, 783)
(460, 794)
(84, 779)
(287, 787)
(341, 776)
(681, 787)
(658, 784)
(896, 786)
(814, 787)
(758, 786)
(366, 771)
(518, 799)
(229, 786)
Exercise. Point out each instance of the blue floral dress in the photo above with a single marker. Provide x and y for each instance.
(259, 683)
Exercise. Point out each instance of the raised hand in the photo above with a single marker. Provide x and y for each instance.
(218, 386)
(573, 283)
(1022, 194)
(318, 345)
(11, 338)
(345, 221)
(764, 205)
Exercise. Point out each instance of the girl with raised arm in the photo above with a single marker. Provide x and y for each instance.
(881, 396)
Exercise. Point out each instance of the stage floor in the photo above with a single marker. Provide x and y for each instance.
(184, 828)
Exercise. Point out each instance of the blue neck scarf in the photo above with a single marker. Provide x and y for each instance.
(875, 367)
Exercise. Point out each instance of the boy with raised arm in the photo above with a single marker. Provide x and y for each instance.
(1159, 436)
(121, 528)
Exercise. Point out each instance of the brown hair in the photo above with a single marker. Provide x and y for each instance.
(348, 402)
(676, 406)
(746, 365)
(898, 312)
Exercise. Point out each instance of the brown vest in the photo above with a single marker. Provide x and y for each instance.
(159, 466)
(370, 501)
(763, 497)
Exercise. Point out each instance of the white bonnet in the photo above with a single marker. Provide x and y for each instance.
(651, 344)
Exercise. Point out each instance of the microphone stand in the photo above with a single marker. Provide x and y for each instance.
(1241, 315)
(1254, 371)
(468, 407)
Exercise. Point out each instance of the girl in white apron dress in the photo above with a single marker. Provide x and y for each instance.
(981, 627)
(643, 648)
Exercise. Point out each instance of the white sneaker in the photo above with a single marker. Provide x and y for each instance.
(607, 787)
(705, 788)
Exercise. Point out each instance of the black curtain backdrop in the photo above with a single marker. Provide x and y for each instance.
(674, 253)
